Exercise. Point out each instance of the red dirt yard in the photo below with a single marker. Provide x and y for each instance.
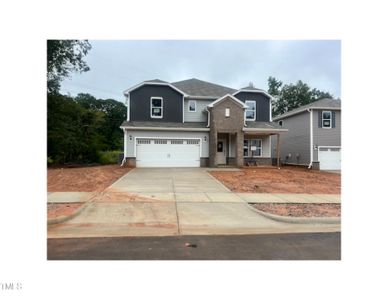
(293, 180)
(301, 209)
(87, 179)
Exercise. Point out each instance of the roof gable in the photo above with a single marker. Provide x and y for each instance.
(154, 82)
(239, 102)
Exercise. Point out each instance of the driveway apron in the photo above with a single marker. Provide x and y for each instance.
(171, 201)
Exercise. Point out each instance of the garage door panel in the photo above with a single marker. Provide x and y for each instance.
(329, 158)
(168, 153)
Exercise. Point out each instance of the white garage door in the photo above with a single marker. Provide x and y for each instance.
(167, 152)
(329, 158)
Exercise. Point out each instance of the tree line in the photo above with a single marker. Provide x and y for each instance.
(80, 128)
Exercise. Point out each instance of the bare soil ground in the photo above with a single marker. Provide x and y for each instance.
(293, 180)
(300, 210)
(55, 210)
(87, 179)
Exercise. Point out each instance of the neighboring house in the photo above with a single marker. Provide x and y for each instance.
(194, 123)
(314, 135)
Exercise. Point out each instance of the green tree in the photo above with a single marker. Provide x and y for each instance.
(64, 57)
(73, 132)
(115, 113)
(291, 96)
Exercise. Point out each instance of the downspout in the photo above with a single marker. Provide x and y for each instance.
(311, 138)
(208, 117)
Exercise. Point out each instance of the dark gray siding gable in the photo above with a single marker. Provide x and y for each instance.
(262, 104)
(140, 107)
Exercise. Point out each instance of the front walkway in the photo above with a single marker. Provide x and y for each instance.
(160, 202)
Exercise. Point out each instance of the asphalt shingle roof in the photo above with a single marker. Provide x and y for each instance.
(268, 125)
(196, 87)
(322, 103)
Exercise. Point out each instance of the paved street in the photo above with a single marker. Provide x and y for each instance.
(293, 246)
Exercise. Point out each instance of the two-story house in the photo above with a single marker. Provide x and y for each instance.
(193, 123)
(314, 135)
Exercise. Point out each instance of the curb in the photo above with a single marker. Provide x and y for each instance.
(299, 220)
(61, 219)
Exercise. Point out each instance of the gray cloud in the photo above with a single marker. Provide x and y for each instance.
(117, 65)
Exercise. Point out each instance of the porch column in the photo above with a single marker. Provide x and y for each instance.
(240, 149)
(212, 147)
(278, 149)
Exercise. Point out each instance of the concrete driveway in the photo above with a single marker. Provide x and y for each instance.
(173, 201)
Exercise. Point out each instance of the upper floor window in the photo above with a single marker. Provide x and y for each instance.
(250, 112)
(156, 107)
(192, 105)
(227, 112)
(326, 119)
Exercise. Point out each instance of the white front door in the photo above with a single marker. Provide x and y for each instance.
(221, 152)
(329, 158)
(166, 152)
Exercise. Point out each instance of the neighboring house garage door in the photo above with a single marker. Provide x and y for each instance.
(167, 152)
(329, 158)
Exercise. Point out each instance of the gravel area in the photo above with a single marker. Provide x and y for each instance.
(300, 210)
(87, 179)
(294, 180)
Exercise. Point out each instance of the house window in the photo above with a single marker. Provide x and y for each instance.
(156, 107)
(227, 112)
(280, 123)
(256, 147)
(326, 119)
(253, 148)
(246, 148)
(250, 112)
(192, 106)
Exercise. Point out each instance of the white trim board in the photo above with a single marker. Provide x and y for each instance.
(164, 128)
(224, 97)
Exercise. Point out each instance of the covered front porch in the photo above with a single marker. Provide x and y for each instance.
(249, 148)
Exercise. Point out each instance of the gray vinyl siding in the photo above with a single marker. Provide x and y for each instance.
(140, 103)
(296, 140)
(166, 134)
(262, 104)
(200, 115)
(326, 136)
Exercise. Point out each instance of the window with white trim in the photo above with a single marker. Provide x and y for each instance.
(253, 148)
(250, 111)
(192, 106)
(156, 107)
(326, 119)
(256, 147)
(227, 112)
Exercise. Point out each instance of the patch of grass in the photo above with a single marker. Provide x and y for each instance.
(109, 157)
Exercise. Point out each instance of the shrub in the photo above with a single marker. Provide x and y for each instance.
(109, 157)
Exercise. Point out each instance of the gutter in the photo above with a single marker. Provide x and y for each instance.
(311, 138)
(164, 128)
(265, 130)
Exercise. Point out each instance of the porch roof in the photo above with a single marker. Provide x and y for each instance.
(263, 127)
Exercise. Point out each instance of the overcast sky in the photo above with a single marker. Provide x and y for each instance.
(118, 65)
